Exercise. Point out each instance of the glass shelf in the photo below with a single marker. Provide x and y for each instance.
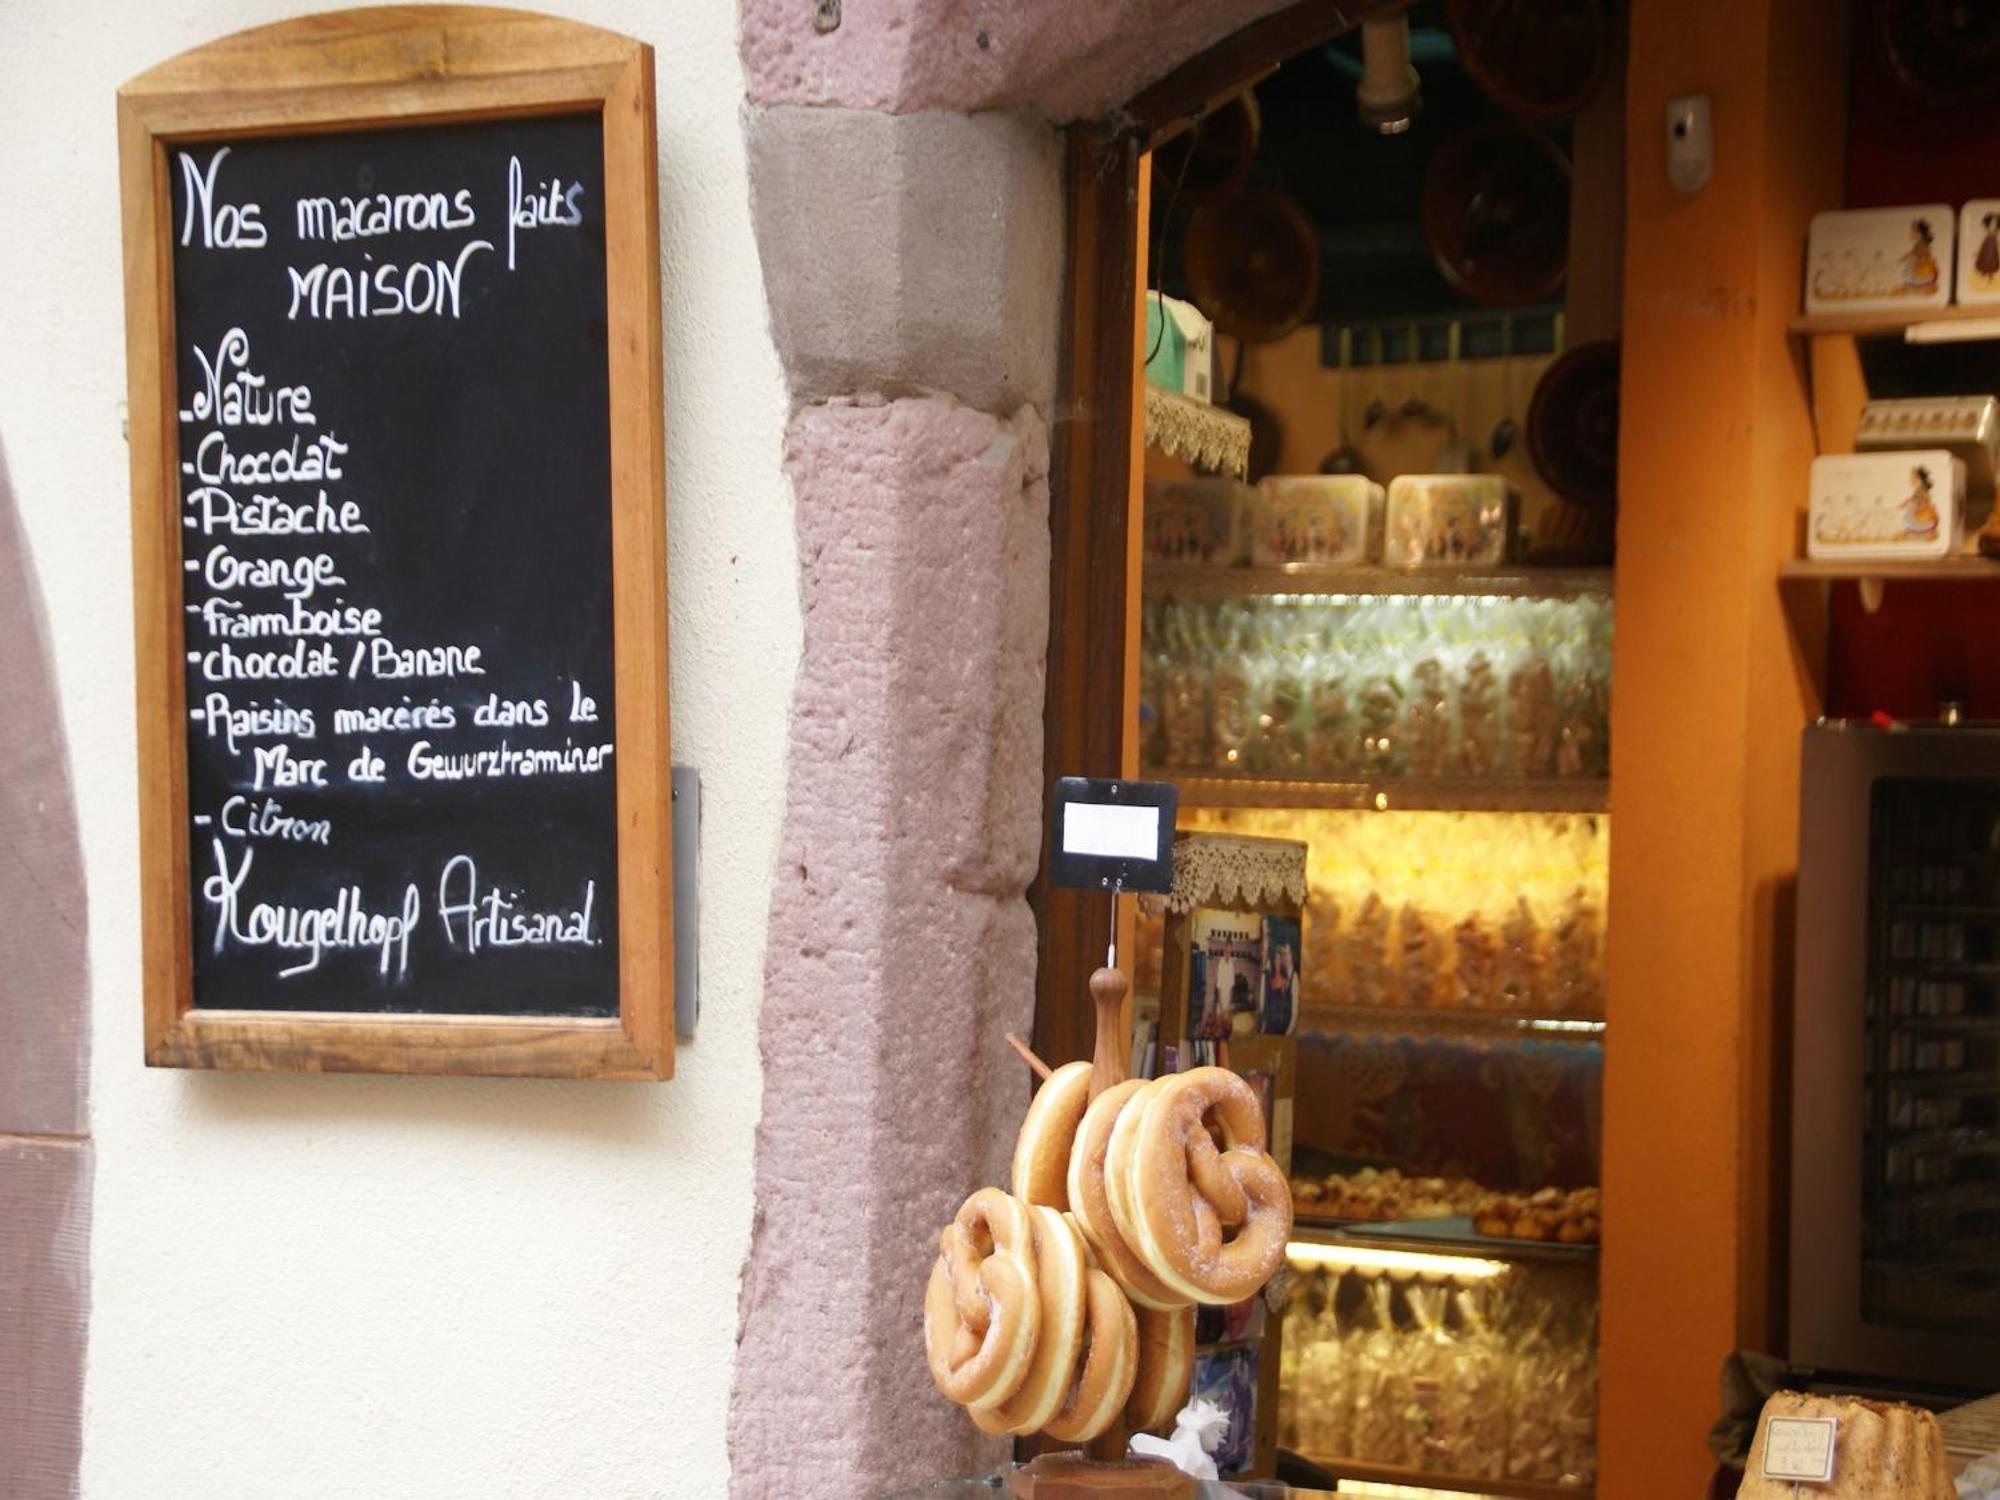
(1581, 794)
(1452, 1021)
(1307, 583)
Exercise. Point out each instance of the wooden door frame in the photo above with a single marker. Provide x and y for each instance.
(1084, 728)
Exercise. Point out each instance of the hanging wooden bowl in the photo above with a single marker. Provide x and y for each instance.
(1252, 263)
(1539, 59)
(1573, 425)
(1213, 156)
(1943, 56)
(1496, 214)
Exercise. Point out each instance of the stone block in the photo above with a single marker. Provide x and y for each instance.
(44, 967)
(911, 253)
(902, 948)
(44, 1313)
(1054, 58)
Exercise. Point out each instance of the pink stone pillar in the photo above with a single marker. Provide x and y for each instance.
(901, 948)
(45, 1150)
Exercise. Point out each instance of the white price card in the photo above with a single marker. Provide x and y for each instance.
(1110, 832)
(1799, 1447)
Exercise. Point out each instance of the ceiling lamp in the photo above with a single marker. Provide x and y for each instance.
(1389, 96)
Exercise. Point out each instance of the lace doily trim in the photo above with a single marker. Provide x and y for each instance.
(1232, 872)
(1204, 436)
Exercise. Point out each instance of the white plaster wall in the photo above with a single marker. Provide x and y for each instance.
(311, 1286)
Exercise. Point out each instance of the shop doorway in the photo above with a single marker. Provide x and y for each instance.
(1298, 303)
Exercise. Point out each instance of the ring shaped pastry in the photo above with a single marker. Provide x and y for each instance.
(1109, 1364)
(982, 1311)
(1059, 1269)
(1166, 1368)
(1042, 1150)
(1194, 1190)
(1089, 1201)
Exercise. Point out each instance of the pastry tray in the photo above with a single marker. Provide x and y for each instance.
(1457, 1234)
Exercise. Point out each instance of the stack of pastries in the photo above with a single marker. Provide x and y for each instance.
(1568, 1218)
(1066, 1305)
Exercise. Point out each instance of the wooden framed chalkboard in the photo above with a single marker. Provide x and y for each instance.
(393, 347)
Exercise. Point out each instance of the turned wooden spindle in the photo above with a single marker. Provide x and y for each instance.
(1109, 1062)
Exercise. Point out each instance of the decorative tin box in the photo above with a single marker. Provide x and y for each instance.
(1322, 519)
(1449, 521)
(1967, 426)
(1878, 506)
(1195, 520)
(1979, 251)
(1871, 259)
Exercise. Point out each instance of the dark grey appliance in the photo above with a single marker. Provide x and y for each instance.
(1895, 1227)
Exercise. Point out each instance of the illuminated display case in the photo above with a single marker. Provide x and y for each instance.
(1440, 744)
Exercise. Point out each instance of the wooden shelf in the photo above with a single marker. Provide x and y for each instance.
(1526, 1489)
(1448, 1021)
(1942, 570)
(1396, 793)
(1200, 584)
(1895, 323)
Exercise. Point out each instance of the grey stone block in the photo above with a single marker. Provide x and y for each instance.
(910, 253)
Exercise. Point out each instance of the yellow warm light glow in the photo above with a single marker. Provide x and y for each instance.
(1395, 1262)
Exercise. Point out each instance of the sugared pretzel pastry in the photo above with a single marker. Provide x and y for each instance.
(1059, 1270)
(1106, 1369)
(1192, 1189)
(1042, 1150)
(1089, 1203)
(1166, 1368)
(982, 1312)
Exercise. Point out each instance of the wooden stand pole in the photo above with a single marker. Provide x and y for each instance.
(1109, 1062)
(1110, 1065)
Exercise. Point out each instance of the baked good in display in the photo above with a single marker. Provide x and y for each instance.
(1384, 1194)
(982, 1309)
(1060, 1267)
(1155, 1195)
(1194, 1191)
(1882, 1450)
(1166, 1367)
(1090, 1201)
(1105, 1371)
(1042, 1150)
(1551, 1215)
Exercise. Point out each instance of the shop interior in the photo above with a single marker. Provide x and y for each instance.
(1375, 532)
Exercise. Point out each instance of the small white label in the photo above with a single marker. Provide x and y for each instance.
(1111, 831)
(1799, 1447)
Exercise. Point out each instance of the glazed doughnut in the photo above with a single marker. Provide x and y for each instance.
(1107, 1367)
(1089, 1203)
(1210, 1220)
(1041, 1151)
(982, 1312)
(1059, 1268)
(1166, 1368)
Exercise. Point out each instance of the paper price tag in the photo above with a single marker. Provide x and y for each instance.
(1799, 1447)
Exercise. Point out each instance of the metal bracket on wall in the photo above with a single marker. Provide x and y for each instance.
(687, 899)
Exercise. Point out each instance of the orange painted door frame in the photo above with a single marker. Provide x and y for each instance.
(1711, 686)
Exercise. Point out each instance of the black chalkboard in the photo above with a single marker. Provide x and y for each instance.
(391, 361)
